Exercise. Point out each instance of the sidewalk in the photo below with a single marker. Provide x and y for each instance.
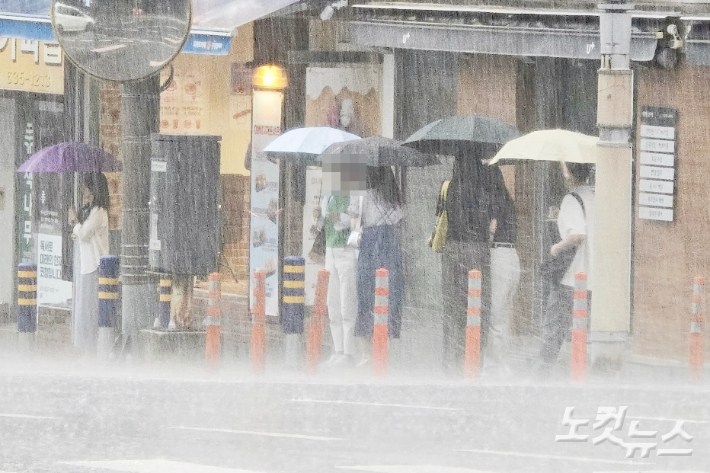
(416, 354)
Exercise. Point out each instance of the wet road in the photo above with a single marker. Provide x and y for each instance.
(59, 419)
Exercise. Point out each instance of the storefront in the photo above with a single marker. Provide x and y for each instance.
(536, 70)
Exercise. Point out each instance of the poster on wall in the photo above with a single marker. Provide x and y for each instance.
(264, 221)
(345, 97)
(314, 182)
(184, 104)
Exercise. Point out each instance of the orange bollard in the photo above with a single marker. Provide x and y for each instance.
(380, 329)
(213, 348)
(472, 351)
(257, 353)
(578, 366)
(314, 342)
(696, 342)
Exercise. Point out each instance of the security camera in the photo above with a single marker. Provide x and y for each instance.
(327, 13)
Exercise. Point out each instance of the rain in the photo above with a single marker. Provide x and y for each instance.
(275, 236)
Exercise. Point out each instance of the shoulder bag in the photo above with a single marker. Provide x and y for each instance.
(438, 236)
(553, 268)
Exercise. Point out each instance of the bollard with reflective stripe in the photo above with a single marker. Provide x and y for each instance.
(213, 344)
(257, 352)
(314, 342)
(165, 299)
(294, 291)
(26, 298)
(578, 363)
(380, 329)
(696, 342)
(472, 351)
(108, 303)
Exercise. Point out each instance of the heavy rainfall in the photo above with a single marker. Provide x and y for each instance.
(274, 236)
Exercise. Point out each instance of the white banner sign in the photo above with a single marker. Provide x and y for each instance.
(51, 289)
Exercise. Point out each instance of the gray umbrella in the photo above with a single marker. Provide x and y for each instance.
(449, 135)
(381, 151)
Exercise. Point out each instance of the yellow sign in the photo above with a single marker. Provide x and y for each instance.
(31, 66)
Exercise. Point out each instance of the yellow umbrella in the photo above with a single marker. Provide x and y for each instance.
(549, 145)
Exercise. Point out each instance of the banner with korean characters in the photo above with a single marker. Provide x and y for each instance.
(657, 157)
(31, 66)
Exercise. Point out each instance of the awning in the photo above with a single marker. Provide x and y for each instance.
(213, 21)
(500, 31)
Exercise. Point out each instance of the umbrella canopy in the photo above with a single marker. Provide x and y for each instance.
(381, 151)
(71, 156)
(300, 143)
(446, 136)
(550, 145)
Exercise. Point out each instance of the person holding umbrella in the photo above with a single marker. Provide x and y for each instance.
(575, 222)
(90, 233)
(380, 248)
(469, 208)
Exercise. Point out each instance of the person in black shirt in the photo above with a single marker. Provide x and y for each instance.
(505, 274)
(468, 205)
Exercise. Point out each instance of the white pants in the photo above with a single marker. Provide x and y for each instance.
(505, 276)
(342, 297)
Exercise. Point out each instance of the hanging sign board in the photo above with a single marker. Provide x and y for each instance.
(657, 163)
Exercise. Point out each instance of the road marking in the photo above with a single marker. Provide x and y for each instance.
(554, 457)
(25, 416)
(106, 49)
(411, 469)
(380, 404)
(263, 434)
(671, 420)
(155, 466)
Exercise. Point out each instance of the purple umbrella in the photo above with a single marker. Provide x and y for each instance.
(71, 156)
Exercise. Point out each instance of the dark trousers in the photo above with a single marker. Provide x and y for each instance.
(457, 260)
(557, 320)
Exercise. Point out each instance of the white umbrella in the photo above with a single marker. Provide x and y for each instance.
(307, 141)
(550, 145)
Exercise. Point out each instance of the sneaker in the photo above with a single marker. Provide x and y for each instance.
(333, 358)
(344, 361)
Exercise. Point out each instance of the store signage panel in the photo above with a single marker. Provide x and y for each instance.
(657, 158)
(653, 172)
(660, 187)
(650, 213)
(31, 66)
(656, 200)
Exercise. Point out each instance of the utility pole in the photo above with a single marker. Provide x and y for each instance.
(140, 102)
(611, 272)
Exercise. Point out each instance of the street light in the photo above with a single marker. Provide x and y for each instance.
(270, 77)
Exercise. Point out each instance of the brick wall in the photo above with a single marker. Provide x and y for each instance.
(235, 226)
(668, 255)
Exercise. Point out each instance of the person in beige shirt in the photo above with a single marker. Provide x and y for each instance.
(90, 234)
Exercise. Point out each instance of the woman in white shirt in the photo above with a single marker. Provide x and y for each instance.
(380, 248)
(90, 234)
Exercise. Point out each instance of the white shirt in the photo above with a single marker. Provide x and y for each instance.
(93, 239)
(571, 221)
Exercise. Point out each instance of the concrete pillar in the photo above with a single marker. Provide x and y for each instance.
(140, 101)
(611, 270)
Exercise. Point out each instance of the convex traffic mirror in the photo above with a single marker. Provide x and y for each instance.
(121, 40)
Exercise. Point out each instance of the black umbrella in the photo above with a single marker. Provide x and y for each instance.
(381, 151)
(449, 135)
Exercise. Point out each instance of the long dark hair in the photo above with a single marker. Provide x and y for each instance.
(382, 181)
(98, 185)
